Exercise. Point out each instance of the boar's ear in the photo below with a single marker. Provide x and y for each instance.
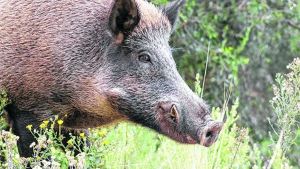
(172, 9)
(123, 19)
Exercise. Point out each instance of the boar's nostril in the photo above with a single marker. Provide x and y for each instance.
(210, 133)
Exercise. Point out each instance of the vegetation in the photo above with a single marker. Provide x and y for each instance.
(244, 43)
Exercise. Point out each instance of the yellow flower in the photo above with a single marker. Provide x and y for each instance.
(46, 122)
(43, 126)
(29, 127)
(105, 142)
(70, 142)
(82, 135)
(102, 133)
(60, 122)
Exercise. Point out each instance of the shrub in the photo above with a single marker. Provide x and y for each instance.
(286, 105)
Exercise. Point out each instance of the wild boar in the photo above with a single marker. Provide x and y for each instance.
(93, 62)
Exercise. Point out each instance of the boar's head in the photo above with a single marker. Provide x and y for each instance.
(143, 83)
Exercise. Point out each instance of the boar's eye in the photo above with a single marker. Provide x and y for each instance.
(144, 58)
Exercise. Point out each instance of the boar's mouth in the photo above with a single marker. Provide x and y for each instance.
(167, 121)
(205, 137)
(176, 135)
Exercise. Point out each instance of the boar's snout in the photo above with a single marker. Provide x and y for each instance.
(183, 127)
(210, 133)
